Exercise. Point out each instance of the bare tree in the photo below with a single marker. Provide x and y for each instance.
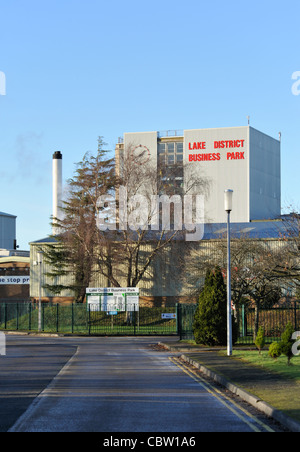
(289, 267)
(148, 214)
(254, 265)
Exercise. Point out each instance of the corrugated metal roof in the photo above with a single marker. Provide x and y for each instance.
(272, 229)
(3, 214)
(259, 229)
(45, 240)
(255, 230)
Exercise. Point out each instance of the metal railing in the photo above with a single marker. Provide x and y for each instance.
(161, 134)
(171, 320)
(88, 320)
(170, 133)
(272, 320)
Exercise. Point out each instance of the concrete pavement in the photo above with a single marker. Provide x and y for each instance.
(124, 385)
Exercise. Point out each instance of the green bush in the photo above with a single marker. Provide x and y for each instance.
(275, 350)
(287, 342)
(210, 321)
(260, 339)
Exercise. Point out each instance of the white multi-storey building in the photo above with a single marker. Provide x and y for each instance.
(238, 158)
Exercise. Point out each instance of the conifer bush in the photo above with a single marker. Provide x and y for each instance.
(260, 339)
(210, 321)
(275, 350)
(287, 342)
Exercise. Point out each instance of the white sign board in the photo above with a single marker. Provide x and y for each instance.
(4, 280)
(168, 316)
(113, 298)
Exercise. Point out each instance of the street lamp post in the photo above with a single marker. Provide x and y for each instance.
(39, 261)
(228, 207)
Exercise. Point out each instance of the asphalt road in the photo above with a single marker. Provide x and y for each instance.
(107, 385)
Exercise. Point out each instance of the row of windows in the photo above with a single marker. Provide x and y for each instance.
(170, 153)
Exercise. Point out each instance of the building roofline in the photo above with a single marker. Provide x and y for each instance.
(44, 240)
(3, 214)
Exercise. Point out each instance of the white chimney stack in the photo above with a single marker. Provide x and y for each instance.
(57, 185)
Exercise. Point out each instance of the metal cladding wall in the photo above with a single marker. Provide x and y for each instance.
(265, 181)
(7, 231)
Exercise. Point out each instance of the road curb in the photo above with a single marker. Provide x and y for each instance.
(26, 333)
(262, 406)
(253, 400)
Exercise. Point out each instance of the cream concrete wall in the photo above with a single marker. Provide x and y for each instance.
(222, 171)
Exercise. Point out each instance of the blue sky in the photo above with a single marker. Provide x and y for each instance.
(76, 70)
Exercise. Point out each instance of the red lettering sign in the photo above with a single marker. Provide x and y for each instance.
(204, 157)
(229, 144)
(197, 145)
(222, 144)
(235, 156)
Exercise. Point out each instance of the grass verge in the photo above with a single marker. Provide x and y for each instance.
(278, 384)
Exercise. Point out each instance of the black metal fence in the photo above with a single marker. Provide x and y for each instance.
(185, 315)
(272, 320)
(171, 320)
(88, 319)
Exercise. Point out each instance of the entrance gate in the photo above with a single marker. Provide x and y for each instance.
(185, 320)
(91, 320)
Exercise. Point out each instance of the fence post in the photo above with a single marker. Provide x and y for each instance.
(29, 317)
(17, 316)
(72, 318)
(57, 314)
(5, 315)
(134, 320)
(243, 320)
(178, 309)
(89, 318)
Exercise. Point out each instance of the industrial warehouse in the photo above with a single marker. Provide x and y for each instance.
(14, 263)
(239, 158)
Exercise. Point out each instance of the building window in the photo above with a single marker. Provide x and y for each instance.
(170, 161)
(179, 148)
(170, 153)
(171, 147)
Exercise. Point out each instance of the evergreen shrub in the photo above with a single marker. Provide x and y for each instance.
(210, 321)
(260, 339)
(275, 350)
